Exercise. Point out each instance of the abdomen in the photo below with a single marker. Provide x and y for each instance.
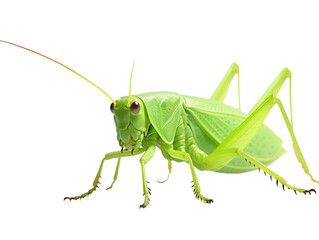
(265, 147)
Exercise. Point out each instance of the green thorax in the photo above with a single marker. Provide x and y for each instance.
(162, 110)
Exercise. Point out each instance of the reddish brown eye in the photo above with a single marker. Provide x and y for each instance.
(135, 107)
(112, 107)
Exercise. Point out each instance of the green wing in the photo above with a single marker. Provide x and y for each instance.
(212, 122)
(164, 111)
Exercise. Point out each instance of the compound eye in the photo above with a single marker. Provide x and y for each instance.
(135, 107)
(112, 107)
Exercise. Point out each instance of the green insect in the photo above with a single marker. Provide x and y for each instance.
(205, 133)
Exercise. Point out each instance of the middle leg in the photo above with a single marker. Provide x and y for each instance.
(169, 171)
(186, 157)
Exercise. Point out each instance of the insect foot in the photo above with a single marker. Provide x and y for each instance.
(309, 191)
(289, 187)
(84, 194)
(198, 195)
(165, 179)
(143, 205)
(146, 198)
(146, 201)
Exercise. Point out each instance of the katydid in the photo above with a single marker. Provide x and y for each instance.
(205, 133)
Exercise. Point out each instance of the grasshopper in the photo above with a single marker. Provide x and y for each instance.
(203, 132)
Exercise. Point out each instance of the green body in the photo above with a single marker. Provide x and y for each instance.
(205, 133)
(195, 124)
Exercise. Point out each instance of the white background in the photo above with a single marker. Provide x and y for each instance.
(55, 128)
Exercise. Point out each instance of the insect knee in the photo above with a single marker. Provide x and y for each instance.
(142, 161)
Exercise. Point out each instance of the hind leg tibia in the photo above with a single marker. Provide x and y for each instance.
(274, 175)
(244, 133)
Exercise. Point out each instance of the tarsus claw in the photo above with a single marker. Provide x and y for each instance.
(309, 191)
(313, 190)
(209, 201)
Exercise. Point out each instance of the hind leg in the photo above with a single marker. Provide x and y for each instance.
(241, 136)
(222, 89)
(235, 153)
(274, 175)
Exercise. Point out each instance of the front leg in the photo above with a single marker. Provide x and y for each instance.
(115, 174)
(108, 156)
(144, 159)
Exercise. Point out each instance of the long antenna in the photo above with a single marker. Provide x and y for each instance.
(62, 66)
(129, 95)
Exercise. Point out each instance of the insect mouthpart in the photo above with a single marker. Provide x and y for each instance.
(130, 139)
(125, 149)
